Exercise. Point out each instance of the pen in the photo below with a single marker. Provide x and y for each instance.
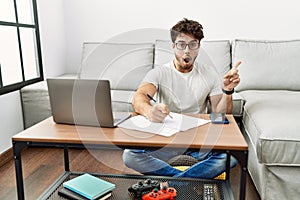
(151, 99)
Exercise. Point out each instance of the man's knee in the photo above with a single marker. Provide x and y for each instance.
(127, 157)
(233, 161)
(130, 157)
(223, 157)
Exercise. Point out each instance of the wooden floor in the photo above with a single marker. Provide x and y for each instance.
(41, 167)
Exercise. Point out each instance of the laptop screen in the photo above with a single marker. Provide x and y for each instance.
(81, 102)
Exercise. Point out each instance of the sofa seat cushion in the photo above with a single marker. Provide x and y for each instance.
(271, 120)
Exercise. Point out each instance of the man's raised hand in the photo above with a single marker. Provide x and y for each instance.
(231, 78)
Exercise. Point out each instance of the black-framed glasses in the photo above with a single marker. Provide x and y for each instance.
(192, 45)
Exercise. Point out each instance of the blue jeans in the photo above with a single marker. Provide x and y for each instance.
(154, 162)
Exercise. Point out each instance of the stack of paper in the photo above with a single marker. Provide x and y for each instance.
(90, 187)
(168, 127)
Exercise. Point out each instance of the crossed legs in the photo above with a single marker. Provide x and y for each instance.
(154, 162)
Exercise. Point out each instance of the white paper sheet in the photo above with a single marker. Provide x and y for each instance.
(167, 128)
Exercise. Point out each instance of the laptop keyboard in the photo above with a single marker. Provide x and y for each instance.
(116, 120)
(119, 117)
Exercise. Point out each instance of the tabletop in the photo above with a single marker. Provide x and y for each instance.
(213, 136)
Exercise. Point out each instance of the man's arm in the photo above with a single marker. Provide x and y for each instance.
(141, 104)
(223, 103)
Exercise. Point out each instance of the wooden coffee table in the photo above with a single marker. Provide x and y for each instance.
(218, 137)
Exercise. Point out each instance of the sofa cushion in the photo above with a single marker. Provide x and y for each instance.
(121, 100)
(268, 64)
(123, 64)
(271, 120)
(214, 53)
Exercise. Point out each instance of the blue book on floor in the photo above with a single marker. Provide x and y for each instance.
(89, 186)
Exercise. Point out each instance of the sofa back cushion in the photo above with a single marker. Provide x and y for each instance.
(123, 64)
(214, 53)
(268, 65)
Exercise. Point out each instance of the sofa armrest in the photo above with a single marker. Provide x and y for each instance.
(35, 102)
(238, 105)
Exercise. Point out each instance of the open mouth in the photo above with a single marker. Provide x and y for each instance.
(186, 60)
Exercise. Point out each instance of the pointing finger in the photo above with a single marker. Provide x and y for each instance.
(233, 71)
(237, 64)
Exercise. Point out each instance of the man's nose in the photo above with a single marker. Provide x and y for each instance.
(187, 48)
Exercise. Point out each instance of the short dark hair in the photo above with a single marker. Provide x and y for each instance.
(188, 27)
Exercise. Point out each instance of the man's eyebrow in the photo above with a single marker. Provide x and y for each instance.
(180, 41)
(185, 41)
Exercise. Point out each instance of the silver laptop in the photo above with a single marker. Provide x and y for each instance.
(83, 102)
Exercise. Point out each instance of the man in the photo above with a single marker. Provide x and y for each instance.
(182, 86)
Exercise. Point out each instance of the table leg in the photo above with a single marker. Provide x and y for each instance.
(242, 157)
(243, 175)
(228, 165)
(66, 158)
(17, 149)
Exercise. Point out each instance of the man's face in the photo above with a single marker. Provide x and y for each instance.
(186, 49)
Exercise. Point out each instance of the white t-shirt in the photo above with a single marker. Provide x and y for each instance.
(185, 92)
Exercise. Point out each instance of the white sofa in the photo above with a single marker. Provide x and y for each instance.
(269, 85)
(125, 65)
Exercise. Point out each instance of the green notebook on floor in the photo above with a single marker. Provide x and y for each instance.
(89, 186)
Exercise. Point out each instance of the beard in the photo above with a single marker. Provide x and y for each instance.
(182, 65)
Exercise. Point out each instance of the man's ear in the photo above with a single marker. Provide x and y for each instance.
(173, 45)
